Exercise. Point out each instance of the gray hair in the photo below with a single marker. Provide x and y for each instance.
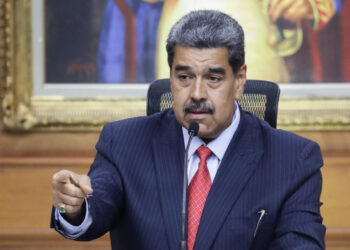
(208, 29)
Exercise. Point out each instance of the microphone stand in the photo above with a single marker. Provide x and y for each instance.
(192, 131)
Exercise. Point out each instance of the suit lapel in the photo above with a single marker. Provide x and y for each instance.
(235, 170)
(168, 150)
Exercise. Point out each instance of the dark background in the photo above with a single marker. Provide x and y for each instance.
(72, 31)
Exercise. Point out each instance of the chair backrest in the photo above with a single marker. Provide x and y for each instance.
(259, 97)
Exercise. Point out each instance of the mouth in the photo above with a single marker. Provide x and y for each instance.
(197, 114)
(199, 111)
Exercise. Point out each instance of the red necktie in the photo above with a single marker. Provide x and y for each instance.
(197, 194)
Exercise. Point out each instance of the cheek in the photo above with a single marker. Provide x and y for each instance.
(223, 107)
(178, 104)
(179, 98)
(223, 100)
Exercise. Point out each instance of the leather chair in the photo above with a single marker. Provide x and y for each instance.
(259, 97)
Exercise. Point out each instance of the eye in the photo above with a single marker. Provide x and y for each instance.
(184, 77)
(214, 79)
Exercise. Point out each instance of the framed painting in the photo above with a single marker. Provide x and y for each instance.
(63, 66)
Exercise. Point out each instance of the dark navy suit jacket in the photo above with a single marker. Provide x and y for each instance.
(137, 180)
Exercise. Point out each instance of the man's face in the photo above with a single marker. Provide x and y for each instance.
(204, 89)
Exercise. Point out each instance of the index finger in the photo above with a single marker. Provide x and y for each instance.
(62, 176)
(83, 182)
(73, 191)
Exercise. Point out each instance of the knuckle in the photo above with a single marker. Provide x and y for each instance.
(67, 189)
(77, 192)
(55, 199)
(59, 196)
(55, 177)
(55, 185)
(54, 193)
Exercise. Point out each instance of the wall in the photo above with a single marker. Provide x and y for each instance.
(28, 160)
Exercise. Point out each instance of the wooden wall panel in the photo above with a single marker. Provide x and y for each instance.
(336, 194)
(28, 161)
(26, 195)
(44, 239)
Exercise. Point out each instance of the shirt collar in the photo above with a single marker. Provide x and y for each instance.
(219, 145)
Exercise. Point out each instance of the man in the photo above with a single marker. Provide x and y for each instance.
(255, 188)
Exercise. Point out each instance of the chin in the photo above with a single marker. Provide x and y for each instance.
(205, 135)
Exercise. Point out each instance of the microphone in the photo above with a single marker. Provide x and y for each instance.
(192, 131)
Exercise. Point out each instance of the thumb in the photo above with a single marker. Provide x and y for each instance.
(83, 182)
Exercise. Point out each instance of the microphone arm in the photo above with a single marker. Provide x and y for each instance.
(192, 131)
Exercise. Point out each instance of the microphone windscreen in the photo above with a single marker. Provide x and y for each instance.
(194, 127)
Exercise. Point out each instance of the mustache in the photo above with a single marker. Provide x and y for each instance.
(202, 106)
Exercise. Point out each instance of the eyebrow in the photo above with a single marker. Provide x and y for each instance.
(217, 70)
(182, 67)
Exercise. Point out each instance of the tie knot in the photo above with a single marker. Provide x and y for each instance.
(203, 153)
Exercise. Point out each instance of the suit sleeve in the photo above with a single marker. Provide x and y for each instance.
(106, 203)
(300, 222)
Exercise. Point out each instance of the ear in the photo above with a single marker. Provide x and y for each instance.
(240, 80)
(171, 79)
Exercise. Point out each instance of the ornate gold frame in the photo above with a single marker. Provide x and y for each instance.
(21, 111)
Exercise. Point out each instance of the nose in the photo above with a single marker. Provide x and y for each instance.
(199, 90)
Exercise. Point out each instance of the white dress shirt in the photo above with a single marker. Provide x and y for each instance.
(218, 146)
